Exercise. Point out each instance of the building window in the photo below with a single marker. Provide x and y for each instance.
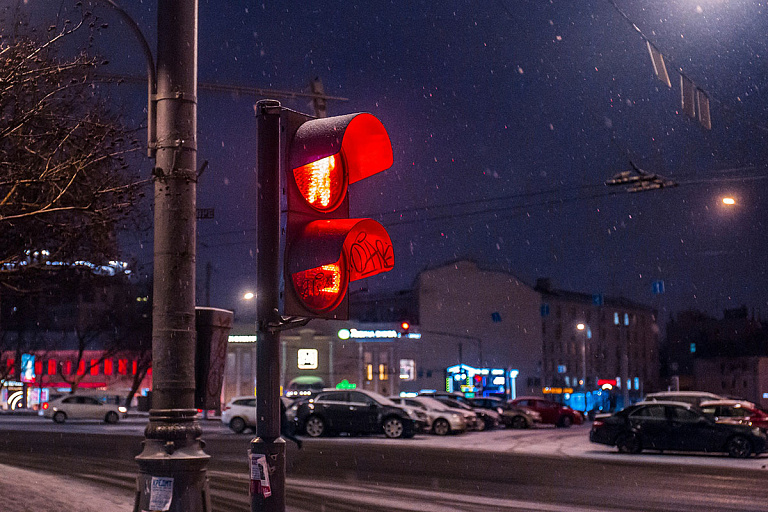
(122, 366)
(496, 317)
(94, 366)
(107, 367)
(407, 369)
(51, 367)
(369, 372)
(383, 372)
(81, 368)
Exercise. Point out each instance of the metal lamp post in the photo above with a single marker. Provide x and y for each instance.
(583, 328)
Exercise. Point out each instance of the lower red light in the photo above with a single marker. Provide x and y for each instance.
(321, 288)
(45, 406)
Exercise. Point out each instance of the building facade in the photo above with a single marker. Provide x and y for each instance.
(586, 337)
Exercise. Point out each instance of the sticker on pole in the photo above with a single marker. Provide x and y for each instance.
(161, 493)
(259, 475)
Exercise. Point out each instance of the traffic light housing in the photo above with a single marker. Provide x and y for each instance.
(323, 249)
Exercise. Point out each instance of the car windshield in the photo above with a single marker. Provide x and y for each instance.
(561, 202)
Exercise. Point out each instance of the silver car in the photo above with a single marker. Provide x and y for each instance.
(82, 407)
(443, 420)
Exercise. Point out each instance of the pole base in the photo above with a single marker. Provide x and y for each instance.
(172, 465)
(274, 456)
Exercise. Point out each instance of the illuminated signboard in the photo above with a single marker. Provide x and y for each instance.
(375, 335)
(556, 391)
(242, 338)
(307, 358)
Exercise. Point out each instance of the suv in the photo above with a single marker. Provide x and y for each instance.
(240, 413)
(552, 413)
(82, 407)
(689, 397)
(353, 412)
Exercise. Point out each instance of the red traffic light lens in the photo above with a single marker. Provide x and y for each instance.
(405, 326)
(321, 182)
(321, 288)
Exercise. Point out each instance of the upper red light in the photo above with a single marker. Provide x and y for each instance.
(322, 182)
(405, 326)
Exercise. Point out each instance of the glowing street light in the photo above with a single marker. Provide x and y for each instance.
(729, 201)
(249, 295)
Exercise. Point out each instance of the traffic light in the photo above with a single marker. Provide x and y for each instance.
(324, 250)
(404, 327)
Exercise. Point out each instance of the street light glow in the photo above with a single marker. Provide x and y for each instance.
(729, 201)
(249, 295)
(581, 327)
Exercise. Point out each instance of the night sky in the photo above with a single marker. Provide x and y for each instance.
(506, 118)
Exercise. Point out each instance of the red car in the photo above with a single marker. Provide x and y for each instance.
(735, 410)
(552, 413)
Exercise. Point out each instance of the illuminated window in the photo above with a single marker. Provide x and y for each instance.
(369, 372)
(51, 367)
(81, 368)
(135, 367)
(122, 366)
(94, 366)
(107, 367)
(68, 368)
(407, 369)
(38, 367)
(383, 372)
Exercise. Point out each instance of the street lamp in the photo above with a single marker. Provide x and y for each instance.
(249, 296)
(584, 329)
(729, 201)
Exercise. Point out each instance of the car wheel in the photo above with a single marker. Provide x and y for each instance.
(739, 447)
(315, 426)
(518, 422)
(441, 427)
(629, 443)
(59, 417)
(237, 425)
(565, 422)
(111, 417)
(393, 427)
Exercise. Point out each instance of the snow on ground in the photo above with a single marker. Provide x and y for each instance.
(28, 491)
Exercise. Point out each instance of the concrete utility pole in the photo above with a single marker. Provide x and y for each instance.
(172, 466)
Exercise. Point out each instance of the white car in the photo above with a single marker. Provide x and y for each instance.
(240, 413)
(82, 407)
(443, 419)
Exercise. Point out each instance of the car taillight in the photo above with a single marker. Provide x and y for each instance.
(45, 406)
(226, 408)
(598, 423)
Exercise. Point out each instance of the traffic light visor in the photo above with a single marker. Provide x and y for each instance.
(330, 153)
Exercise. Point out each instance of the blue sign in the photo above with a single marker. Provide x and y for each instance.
(657, 287)
(561, 368)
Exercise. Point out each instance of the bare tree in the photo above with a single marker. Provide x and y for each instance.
(65, 184)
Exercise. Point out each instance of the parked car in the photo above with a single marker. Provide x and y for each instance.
(421, 419)
(676, 426)
(442, 419)
(82, 407)
(510, 416)
(552, 413)
(690, 397)
(353, 412)
(740, 410)
(240, 413)
(486, 418)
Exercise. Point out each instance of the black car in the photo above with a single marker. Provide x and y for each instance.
(352, 412)
(674, 426)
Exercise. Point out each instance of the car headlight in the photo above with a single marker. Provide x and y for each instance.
(756, 432)
(500, 410)
(122, 410)
(455, 416)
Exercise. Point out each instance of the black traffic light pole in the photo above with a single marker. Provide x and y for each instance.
(267, 453)
(172, 465)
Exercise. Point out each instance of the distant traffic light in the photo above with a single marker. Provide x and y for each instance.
(404, 327)
(324, 249)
